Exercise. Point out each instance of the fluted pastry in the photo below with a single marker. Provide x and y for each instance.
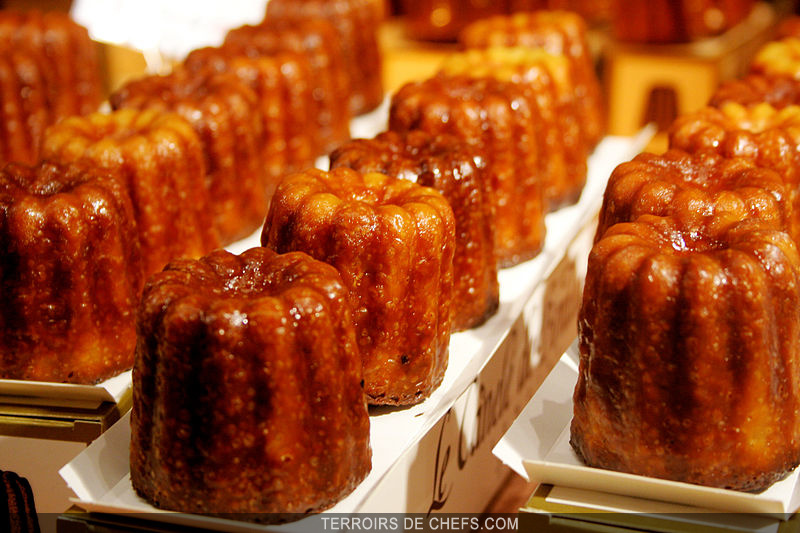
(393, 242)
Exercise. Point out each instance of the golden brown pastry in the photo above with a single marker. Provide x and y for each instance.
(69, 58)
(558, 33)
(282, 83)
(393, 242)
(48, 70)
(458, 171)
(778, 58)
(767, 136)
(71, 274)
(224, 113)
(753, 89)
(356, 23)
(703, 188)
(689, 354)
(547, 80)
(247, 391)
(500, 118)
(159, 158)
(318, 41)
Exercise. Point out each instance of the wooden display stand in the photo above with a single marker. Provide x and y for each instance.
(655, 83)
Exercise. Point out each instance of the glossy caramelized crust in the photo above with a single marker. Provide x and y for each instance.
(458, 172)
(393, 242)
(753, 89)
(356, 23)
(500, 118)
(778, 58)
(767, 136)
(547, 80)
(701, 188)
(71, 274)
(159, 158)
(557, 32)
(689, 359)
(68, 56)
(19, 513)
(25, 112)
(48, 70)
(225, 115)
(317, 40)
(247, 392)
(283, 89)
(676, 21)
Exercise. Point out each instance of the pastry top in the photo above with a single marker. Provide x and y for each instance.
(778, 58)
(559, 32)
(467, 107)
(260, 275)
(168, 91)
(752, 89)
(710, 127)
(514, 64)
(706, 193)
(101, 133)
(760, 132)
(325, 193)
(415, 156)
(51, 181)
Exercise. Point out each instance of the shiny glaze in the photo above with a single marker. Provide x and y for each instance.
(777, 91)
(282, 83)
(317, 40)
(224, 113)
(707, 191)
(547, 81)
(458, 172)
(69, 57)
(767, 136)
(500, 118)
(70, 274)
(356, 23)
(689, 366)
(392, 241)
(247, 391)
(159, 158)
(24, 119)
(557, 32)
(49, 70)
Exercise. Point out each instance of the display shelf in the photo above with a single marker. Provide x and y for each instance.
(493, 369)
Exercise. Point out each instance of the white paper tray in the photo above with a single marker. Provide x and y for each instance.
(537, 447)
(99, 475)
